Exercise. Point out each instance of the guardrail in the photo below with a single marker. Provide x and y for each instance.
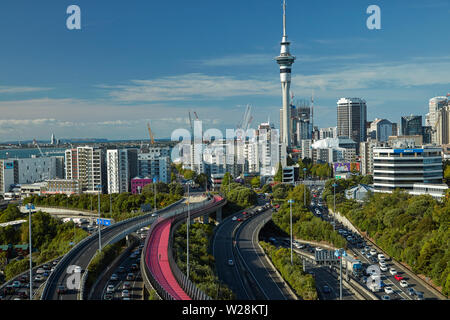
(62, 265)
(188, 287)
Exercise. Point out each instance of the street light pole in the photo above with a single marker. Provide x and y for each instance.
(30, 207)
(187, 236)
(290, 204)
(99, 221)
(334, 205)
(304, 190)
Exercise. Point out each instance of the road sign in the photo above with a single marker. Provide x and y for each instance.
(105, 222)
(30, 206)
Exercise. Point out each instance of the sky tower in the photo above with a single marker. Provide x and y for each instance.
(285, 60)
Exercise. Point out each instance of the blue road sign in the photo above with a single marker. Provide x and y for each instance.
(104, 222)
(30, 206)
(291, 201)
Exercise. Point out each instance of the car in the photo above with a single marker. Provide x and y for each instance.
(23, 278)
(110, 288)
(373, 259)
(114, 277)
(40, 270)
(363, 252)
(326, 289)
(130, 276)
(52, 269)
(411, 291)
(388, 290)
(234, 218)
(55, 262)
(125, 294)
(17, 284)
(121, 269)
(245, 212)
(403, 283)
(398, 277)
(318, 249)
(154, 214)
(419, 295)
(368, 256)
(78, 269)
(382, 264)
(107, 296)
(373, 252)
(134, 267)
(39, 277)
(385, 297)
(392, 271)
(126, 285)
(23, 295)
(364, 279)
(230, 262)
(383, 268)
(381, 256)
(46, 267)
(239, 219)
(61, 289)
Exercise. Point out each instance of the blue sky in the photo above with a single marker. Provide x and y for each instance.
(145, 60)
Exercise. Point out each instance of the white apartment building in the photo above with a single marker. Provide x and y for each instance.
(118, 175)
(402, 168)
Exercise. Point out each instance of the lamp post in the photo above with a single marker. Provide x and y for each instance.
(99, 187)
(290, 201)
(304, 191)
(187, 232)
(334, 204)
(340, 253)
(30, 207)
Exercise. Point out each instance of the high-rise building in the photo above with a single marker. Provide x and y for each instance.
(351, 119)
(285, 60)
(412, 125)
(155, 167)
(87, 165)
(381, 130)
(402, 168)
(435, 104)
(442, 127)
(118, 173)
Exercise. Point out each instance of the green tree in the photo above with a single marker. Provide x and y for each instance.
(279, 175)
(255, 182)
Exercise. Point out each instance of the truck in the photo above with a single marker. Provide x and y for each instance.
(354, 265)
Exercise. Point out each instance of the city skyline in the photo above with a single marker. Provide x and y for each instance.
(146, 62)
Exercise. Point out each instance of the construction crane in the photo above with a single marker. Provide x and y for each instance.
(196, 116)
(150, 133)
(39, 148)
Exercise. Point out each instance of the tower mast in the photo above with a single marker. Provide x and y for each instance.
(285, 60)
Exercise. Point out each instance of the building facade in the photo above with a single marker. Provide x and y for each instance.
(402, 168)
(351, 119)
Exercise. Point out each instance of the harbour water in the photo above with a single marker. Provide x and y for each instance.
(27, 153)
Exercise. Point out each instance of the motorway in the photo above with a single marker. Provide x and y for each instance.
(250, 277)
(399, 293)
(83, 257)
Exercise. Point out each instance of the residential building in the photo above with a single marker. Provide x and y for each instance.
(154, 166)
(63, 186)
(138, 184)
(87, 165)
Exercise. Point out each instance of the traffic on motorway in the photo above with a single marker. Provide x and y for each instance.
(395, 284)
(18, 288)
(126, 281)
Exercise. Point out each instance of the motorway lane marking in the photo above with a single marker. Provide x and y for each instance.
(242, 258)
(259, 257)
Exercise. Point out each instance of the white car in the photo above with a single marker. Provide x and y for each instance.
(403, 283)
(382, 263)
(234, 218)
(125, 294)
(77, 269)
(388, 290)
(383, 268)
(381, 257)
(110, 289)
(373, 252)
(319, 249)
(392, 271)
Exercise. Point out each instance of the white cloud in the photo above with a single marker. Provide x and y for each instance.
(15, 90)
(192, 86)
